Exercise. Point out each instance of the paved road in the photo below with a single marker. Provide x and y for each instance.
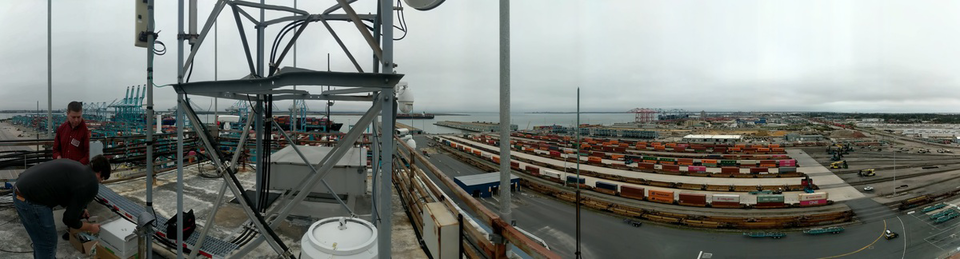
(605, 236)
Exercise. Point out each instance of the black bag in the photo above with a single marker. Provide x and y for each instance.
(189, 225)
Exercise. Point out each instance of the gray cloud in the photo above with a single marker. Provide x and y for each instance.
(867, 56)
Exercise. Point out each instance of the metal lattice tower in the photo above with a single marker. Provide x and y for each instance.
(264, 85)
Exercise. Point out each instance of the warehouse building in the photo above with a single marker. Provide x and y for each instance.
(483, 185)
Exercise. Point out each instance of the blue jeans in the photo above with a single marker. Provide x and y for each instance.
(38, 220)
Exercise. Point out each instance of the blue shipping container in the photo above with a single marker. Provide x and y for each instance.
(608, 186)
(571, 179)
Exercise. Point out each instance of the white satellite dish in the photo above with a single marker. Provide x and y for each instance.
(423, 5)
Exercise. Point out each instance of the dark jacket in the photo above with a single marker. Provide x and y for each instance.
(72, 142)
(61, 182)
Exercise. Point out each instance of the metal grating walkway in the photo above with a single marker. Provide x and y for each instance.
(212, 247)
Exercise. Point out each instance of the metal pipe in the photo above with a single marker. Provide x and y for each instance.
(193, 23)
(504, 110)
(50, 69)
(258, 138)
(375, 145)
(260, 105)
(149, 138)
(180, 133)
(387, 117)
(216, 112)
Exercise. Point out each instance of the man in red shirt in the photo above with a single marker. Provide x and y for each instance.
(72, 139)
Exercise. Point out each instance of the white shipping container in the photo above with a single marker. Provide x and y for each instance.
(813, 196)
(726, 198)
(658, 167)
(486, 155)
(550, 173)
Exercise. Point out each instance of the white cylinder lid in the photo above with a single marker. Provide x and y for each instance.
(355, 235)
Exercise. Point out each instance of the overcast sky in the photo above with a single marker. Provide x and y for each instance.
(849, 56)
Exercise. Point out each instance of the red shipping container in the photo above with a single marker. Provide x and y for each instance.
(813, 202)
(693, 198)
(555, 153)
(720, 204)
(631, 192)
(515, 165)
(758, 170)
(533, 170)
(672, 168)
(645, 165)
(730, 170)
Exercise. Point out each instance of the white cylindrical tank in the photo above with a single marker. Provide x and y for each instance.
(340, 237)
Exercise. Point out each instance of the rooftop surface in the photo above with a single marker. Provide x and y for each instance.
(199, 195)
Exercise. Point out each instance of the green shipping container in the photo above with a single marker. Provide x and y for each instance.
(668, 159)
(710, 165)
(650, 158)
(770, 198)
(728, 162)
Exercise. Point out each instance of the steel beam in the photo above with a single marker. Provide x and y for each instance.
(234, 184)
(342, 46)
(289, 76)
(181, 101)
(330, 160)
(317, 17)
(350, 91)
(243, 40)
(388, 116)
(211, 20)
(236, 96)
(336, 7)
(377, 50)
(313, 170)
(211, 219)
(269, 7)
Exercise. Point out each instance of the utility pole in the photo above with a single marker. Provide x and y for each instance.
(505, 111)
(578, 174)
(151, 40)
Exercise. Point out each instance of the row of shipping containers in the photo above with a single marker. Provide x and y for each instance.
(619, 153)
(666, 197)
(676, 168)
(711, 200)
(595, 143)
